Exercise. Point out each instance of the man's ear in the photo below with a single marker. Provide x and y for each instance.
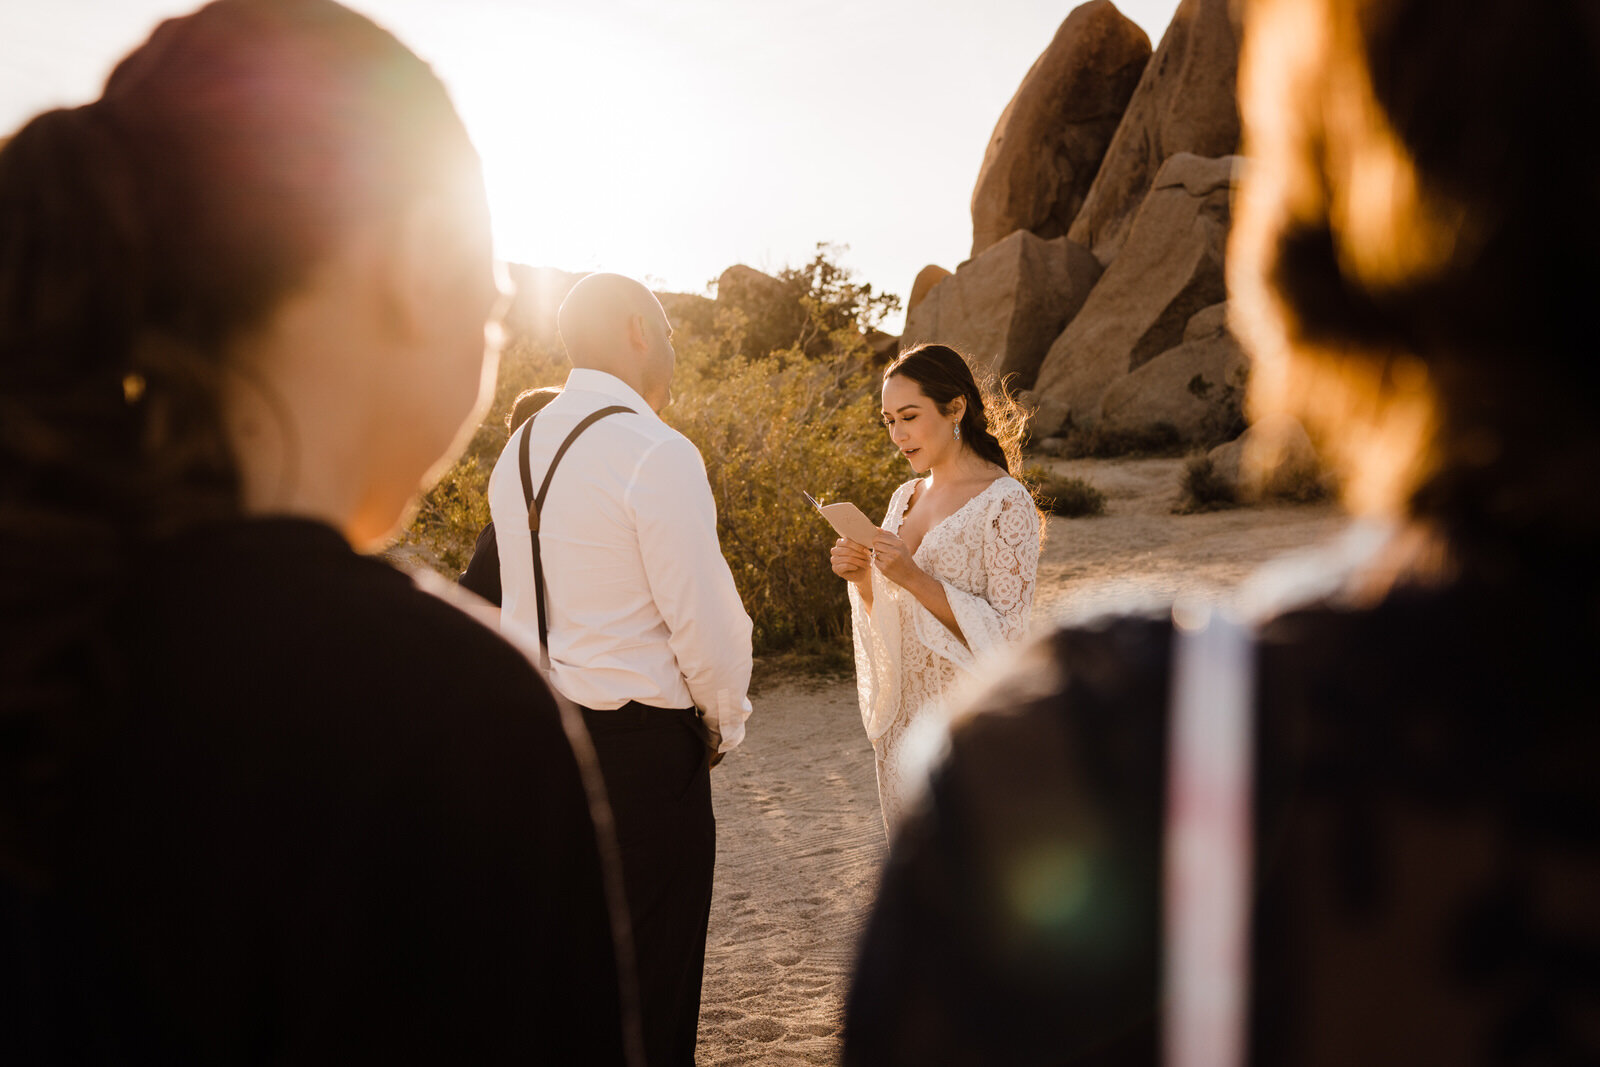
(638, 334)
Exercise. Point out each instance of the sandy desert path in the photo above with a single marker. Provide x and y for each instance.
(799, 835)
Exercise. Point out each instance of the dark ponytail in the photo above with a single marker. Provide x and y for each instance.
(991, 425)
(140, 237)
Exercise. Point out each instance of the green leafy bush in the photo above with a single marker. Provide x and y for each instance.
(1064, 495)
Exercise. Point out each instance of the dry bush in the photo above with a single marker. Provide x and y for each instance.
(1161, 439)
(1201, 489)
(1064, 495)
(768, 429)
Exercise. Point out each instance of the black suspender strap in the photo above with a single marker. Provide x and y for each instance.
(535, 502)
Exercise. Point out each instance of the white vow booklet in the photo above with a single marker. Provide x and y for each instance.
(846, 518)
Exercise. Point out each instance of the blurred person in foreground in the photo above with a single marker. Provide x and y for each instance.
(482, 575)
(264, 800)
(1414, 274)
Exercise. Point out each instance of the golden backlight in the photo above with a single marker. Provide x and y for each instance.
(581, 128)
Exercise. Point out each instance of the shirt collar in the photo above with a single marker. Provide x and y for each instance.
(598, 381)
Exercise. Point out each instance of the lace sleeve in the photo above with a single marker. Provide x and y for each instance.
(876, 637)
(1010, 562)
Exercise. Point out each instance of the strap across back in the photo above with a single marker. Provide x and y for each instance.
(535, 502)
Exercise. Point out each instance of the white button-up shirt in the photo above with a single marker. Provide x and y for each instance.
(640, 604)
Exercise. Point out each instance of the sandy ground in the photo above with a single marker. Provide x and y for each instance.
(799, 835)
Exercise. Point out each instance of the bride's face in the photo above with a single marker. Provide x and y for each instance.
(923, 434)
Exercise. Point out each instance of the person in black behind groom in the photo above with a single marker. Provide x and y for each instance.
(482, 575)
(627, 590)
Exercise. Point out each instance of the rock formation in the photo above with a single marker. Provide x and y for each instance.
(1050, 139)
(740, 284)
(1185, 102)
(1005, 307)
(1196, 388)
(1170, 268)
(927, 278)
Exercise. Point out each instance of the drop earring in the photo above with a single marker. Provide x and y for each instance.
(958, 431)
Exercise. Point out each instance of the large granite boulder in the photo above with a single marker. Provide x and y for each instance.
(1170, 268)
(740, 284)
(1053, 134)
(1004, 308)
(927, 278)
(1196, 388)
(1185, 102)
(883, 347)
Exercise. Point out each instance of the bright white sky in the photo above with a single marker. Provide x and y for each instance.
(669, 139)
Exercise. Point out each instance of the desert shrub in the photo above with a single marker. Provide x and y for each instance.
(1161, 439)
(1064, 495)
(769, 428)
(1201, 489)
(770, 423)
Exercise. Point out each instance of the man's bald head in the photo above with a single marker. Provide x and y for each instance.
(614, 324)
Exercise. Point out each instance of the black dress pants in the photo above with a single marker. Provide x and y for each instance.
(657, 771)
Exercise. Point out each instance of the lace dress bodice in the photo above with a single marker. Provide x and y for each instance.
(986, 555)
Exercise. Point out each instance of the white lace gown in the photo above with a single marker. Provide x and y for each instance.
(986, 555)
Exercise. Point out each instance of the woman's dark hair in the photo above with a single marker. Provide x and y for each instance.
(529, 403)
(991, 425)
(140, 236)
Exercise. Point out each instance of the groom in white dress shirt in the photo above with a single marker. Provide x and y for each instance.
(646, 630)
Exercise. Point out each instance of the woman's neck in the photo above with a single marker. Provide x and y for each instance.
(961, 466)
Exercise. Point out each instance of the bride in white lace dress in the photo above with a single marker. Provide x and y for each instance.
(949, 580)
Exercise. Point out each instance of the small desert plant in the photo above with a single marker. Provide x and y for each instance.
(1064, 495)
(1161, 439)
(1202, 489)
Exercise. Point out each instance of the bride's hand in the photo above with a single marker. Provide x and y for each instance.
(893, 560)
(850, 561)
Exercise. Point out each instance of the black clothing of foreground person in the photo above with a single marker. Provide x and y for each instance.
(1426, 845)
(1414, 281)
(299, 838)
(263, 800)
